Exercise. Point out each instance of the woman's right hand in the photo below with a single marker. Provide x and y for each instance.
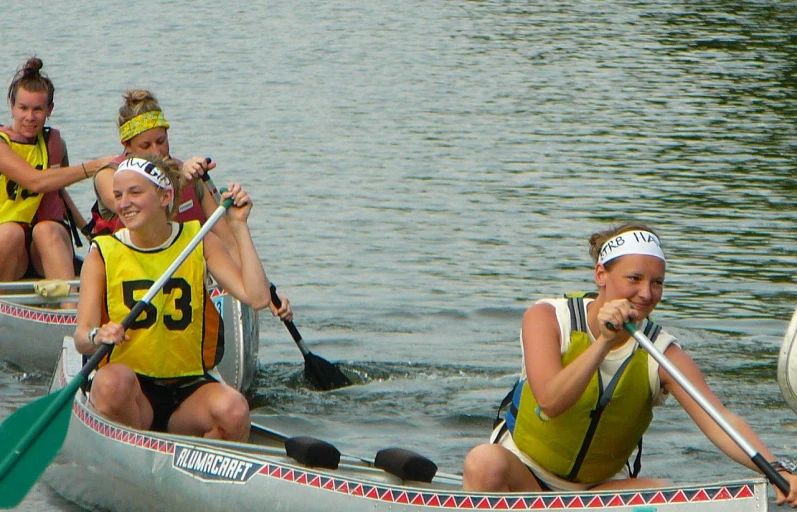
(615, 313)
(111, 334)
(241, 202)
(194, 168)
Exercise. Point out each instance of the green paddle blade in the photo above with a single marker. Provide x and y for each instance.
(30, 439)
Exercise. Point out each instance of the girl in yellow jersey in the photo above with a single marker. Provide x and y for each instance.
(159, 374)
(28, 239)
(586, 391)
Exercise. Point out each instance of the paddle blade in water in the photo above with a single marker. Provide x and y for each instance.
(29, 440)
(322, 374)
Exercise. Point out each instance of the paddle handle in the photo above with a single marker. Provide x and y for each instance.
(774, 476)
(288, 323)
(139, 306)
(212, 186)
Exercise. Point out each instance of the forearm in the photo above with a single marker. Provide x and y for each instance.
(565, 388)
(38, 181)
(255, 282)
(729, 447)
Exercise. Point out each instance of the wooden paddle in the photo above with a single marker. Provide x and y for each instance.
(707, 406)
(32, 436)
(318, 371)
(321, 373)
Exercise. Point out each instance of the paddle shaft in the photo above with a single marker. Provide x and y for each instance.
(774, 476)
(289, 323)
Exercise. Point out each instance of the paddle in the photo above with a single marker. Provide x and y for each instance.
(712, 411)
(318, 371)
(32, 436)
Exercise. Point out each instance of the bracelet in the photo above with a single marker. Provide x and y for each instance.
(84, 170)
(93, 335)
(784, 465)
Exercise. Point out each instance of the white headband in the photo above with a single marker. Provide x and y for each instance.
(150, 171)
(631, 242)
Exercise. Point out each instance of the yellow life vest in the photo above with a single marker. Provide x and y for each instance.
(179, 333)
(591, 441)
(16, 203)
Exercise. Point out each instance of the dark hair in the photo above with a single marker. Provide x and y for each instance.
(599, 238)
(29, 78)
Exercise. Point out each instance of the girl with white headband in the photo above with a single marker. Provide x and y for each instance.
(586, 391)
(160, 373)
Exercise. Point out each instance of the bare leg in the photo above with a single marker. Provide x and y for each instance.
(13, 252)
(215, 411)
(116, 394)
(51, 251)
(493, 468)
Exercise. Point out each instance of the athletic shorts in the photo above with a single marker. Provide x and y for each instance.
(166, 395)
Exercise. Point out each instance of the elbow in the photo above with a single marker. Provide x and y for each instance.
(549, 410)
(260, 303)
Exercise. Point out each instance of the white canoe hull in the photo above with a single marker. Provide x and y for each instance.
(787, 364)
(31, 337)
(106, 466)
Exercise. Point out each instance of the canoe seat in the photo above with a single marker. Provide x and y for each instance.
(312, 452)
(406, 464)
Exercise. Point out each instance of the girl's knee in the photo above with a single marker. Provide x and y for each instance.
(113, 385)
(234, 408)
(486, 464)
(49, 233)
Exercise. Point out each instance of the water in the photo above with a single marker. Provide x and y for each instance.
(422, 171)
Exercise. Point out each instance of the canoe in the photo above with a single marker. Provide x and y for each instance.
(39, 321)
(787, 364)
(107, 466)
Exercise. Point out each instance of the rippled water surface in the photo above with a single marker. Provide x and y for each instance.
(423, 171)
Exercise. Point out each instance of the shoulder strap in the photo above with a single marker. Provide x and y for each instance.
(578, 317)
(652, 330)
(55, 148)
(505, 402)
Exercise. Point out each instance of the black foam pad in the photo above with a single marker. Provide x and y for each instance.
(406, 464)
(312, 452)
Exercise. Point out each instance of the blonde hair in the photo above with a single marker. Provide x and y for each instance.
(30, 78)
(599, 238)
(137, 102)
(170, 168)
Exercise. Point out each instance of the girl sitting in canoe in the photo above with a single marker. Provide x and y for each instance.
(143, 129)
(587, 390)
(33, 204)
(160, 373)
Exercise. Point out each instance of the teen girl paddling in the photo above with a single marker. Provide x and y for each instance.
(159, 374)
(587, 391)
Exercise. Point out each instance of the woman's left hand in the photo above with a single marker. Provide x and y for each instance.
(285, 312)
(241, 202)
